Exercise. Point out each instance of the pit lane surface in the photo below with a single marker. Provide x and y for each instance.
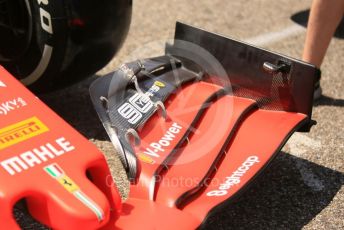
(303, 187)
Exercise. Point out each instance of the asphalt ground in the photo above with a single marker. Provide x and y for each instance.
(303, 187)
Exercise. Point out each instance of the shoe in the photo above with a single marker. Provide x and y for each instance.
(317, 88)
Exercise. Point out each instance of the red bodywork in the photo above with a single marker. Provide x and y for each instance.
(67, 186)
(50, 163)
(252, 137)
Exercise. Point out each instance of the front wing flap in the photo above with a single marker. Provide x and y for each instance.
(220, 125)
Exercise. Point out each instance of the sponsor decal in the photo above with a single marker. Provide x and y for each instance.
(11, 105)
(36, 156)
(235, 178)
(155, 88)
(21, 131)
(56, 172)
(145, 158)
(139, 104)
(126, 70)
(2, 84)
(159, 84)
(155, 148)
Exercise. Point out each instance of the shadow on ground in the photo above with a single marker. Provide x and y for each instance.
(301, 18)
(329, 101)
(279, 199)
(75, 106)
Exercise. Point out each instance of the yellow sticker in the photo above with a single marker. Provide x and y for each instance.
(21, 131)
(68, 184)
(145, 158)
(160, 84)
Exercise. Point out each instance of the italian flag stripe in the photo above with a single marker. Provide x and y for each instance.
(90, 204)
(54, 170)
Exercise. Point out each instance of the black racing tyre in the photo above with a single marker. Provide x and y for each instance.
(48, 44)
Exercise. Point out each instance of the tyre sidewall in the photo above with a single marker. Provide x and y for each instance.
(48, 44)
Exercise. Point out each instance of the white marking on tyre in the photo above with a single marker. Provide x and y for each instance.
(45, 16)
(46, 24)
(41, 67)
(46, 21)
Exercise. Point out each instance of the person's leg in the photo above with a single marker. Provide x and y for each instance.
(324, 18)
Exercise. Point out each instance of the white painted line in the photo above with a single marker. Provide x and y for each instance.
(308, 177)
(299, 145)
(272, 37)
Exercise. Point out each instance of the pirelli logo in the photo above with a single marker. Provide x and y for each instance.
(21, 131)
